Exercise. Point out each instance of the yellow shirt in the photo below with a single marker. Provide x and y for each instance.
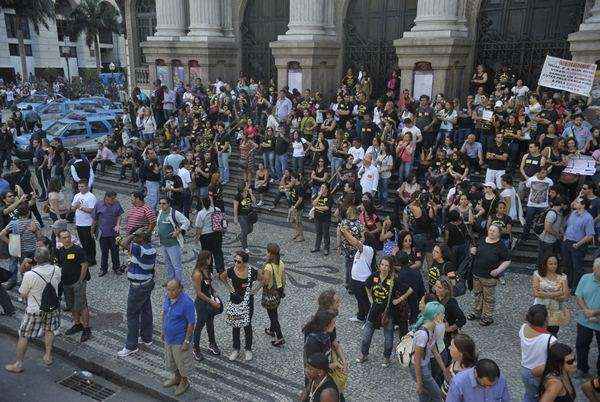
(277, 272)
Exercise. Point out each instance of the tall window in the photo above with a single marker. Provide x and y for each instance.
(11, 26)
(13, 50)
(145, 23)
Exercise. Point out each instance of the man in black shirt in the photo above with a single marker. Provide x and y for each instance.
(495, 158)
(282, 144)
(173, 187)
(546, 117)
(73, 262)
(466, 125)
(368, 132)
(296, 198)
(425, 121)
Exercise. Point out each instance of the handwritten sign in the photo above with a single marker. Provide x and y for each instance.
(567, 75)
(584, 165)
(422, 83)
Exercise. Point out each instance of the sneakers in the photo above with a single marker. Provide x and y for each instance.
(126, 352)
(140, 341)
(234, 355)
(356, 319)
(247, 355)
(214, 349)
(86, 335)
(197, 355)
(74, 329)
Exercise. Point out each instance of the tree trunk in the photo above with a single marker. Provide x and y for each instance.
(22, 52)
(97, 54)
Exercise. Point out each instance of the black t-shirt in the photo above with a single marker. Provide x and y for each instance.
(240, 284)
(496, 164)
(245, 204)
(437, 269)
(367, 134)
(324, 201)
(502, 222)
(488, 257)
(69, 261)
(465, 120)
(267, 143)
(207, 168)
(174, 182)
(281, 145)
(548, 114)
(424, 117)
(411, 278)
(380, 291)
(296, 192)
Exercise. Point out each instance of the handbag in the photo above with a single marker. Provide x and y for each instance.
(338, 375)
(214, 312)
(385, 316)
(271, 297)
(238, 314)
(14, 245)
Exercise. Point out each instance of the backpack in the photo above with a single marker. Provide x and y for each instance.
(175, 222)
(49, 302)
(218, 221)
(539, 222)
(406, 348)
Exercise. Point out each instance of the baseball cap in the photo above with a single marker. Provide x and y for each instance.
(498, 104)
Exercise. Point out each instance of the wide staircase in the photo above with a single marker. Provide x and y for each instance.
(524, 257)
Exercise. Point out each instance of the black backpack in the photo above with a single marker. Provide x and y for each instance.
(49, 302)
(539, 222)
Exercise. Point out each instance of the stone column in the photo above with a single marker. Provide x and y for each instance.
(307, 18)
(592, 22)
(170, 18)
(439, 18)
(329, 18)
(440, 37)
(205, 18)
(227, 19)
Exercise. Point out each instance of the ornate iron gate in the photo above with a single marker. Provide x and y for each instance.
(145, 24)
(520, 33)
(263, 21)
(370, 29)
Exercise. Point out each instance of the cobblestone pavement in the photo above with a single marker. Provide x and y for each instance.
(276, 374)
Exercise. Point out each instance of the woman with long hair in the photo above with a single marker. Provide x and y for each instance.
(207, 304)
(215, 191)
(210, 240)
(556, 384)
(323, 204)
(551, 289)
(242, 210)
(453, 315)
(405, 246)
(273, 281)
(463, 354)
(57, 203)
(441, 264)
(425, 340)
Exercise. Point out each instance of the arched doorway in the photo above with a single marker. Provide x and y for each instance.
(370, 29)
(145, 22)
(263, 21)
(519, 34)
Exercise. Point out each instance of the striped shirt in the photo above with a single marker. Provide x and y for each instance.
(141, 263)
(138, 217)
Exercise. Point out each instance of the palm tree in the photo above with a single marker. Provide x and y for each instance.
(38, 12)
(93, 17)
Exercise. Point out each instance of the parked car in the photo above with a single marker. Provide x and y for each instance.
(76, 130)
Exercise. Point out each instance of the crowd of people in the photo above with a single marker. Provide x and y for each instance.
(425, 196)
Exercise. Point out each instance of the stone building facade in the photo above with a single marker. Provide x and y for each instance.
(435, 44)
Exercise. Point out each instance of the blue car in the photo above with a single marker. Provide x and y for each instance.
(76, 130)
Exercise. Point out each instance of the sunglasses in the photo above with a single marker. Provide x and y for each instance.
(238, 261)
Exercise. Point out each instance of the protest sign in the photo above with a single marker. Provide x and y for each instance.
(567, 75)
(584, 165)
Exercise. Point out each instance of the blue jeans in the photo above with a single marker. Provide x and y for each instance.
(173, 262)
(298, 164)
(382, 190)
(388, 336)
(404, 170)
(139, 314)
(152, 194)
(269, 161)
(432, 390)
(223, 159)
(281, 164)
(245, 229)
(573, 259)
(531, 383)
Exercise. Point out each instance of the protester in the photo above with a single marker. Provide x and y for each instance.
(139, 215)
(209, 229)
(550, 289)
(588, 319)
(463, 356)
(42, 316)
(479, 384)
(579, 231)
(73, 263)
(556, 384)
(83, 204)
(321, 386)
(178, 320)
(170, 227)
(140, 273)
(207, 304)
(107, 220)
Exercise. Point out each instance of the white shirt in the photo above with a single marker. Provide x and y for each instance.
(358, 154)
(538, 194)
(369, 178)
(149, 124)
(10, 96)
(377, 116)
(88, 200)
(298, 148)
(361, 267)
(510, 193)
(34, 286)
(272, 122)
(534, 351)
(415, 131)
(186, 178)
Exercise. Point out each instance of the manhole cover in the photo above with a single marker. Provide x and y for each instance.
(86, 387)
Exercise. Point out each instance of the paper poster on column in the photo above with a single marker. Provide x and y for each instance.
(194, 73)
(178, 75)
(295, 80)
(568, 75)
(163, 73)
(422, 83)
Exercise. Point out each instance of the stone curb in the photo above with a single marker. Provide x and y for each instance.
(98, 365)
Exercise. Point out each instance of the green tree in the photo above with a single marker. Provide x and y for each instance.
(91, 18)
(38, 12)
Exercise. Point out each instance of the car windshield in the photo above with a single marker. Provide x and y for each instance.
(55, 129)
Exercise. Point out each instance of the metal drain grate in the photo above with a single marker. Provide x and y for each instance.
(87, 388)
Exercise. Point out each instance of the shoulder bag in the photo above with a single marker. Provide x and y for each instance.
(238, 314)
(338, 374)
(271, 296)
